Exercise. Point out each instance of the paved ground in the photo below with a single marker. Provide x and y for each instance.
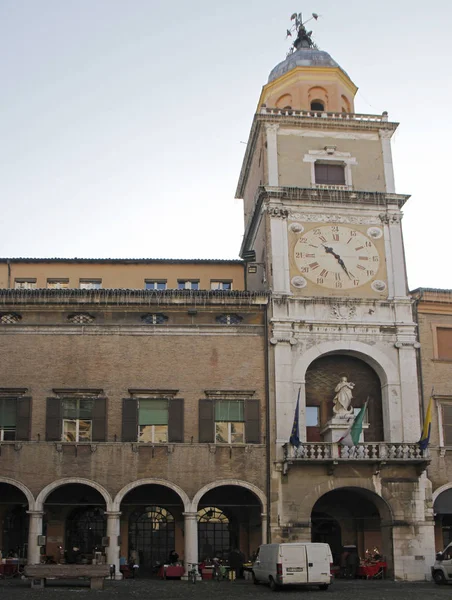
(145, 589)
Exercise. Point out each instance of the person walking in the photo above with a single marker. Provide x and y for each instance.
(236, 562)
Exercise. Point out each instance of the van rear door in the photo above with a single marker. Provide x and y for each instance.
(293, 561)
(319, 557)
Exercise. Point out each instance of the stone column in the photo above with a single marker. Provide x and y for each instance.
(113, 525)
(385, 136)
(264, 528)
(280, 250)
(34, 530)
(191, 540)
(272, 153)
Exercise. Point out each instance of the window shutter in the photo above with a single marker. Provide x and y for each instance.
(129, 420)
(176, 420)
(447, 424)
(444, 340)
(321, 173)
(336, 175)
(99, 417)
(53, 420)
(252, 422)
(206, 422)
(23, 413)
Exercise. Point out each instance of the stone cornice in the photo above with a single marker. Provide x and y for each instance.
(109, 297)
(379, 200)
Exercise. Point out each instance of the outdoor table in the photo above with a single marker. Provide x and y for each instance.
(171, 572)
(8, 569)
(372, 570)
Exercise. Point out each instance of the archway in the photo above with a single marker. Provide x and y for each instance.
(85, 530)
(229, 516)
(152, 524)
(214, 533)
(75, 523)
(352, 516)
(442, 510)
(14, 518)
(322, 377)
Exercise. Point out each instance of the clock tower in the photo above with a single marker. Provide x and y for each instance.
(323, 234)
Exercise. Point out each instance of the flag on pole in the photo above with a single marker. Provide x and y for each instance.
(425, 437)
(295, 435)
(352, 435)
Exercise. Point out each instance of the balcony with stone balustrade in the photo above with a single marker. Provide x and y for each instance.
(378, 454)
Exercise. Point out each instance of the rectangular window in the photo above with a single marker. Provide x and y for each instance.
(329, 174)
(312, 416)
(7, 419)
(90, 284)
(221, 285)
(153, 420)
(154, 285)
(77, 419)
(229, 422)
(187, 284)
(447, 423)
(25, 284)
(57, 284)
(444, 341)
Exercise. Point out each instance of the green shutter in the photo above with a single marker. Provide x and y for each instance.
(176, 420)
(8, 412)
(86, 407)
(69, 408)
(252, 423)
(99, 418)
(23, 418)
(53, 420)
(206, 421)
(229, 410)
(129, 420)
(153, 412)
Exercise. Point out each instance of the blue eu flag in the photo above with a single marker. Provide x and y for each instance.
(295, 435)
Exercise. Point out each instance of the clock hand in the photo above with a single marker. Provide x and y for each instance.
(329, 250)
(342, 264)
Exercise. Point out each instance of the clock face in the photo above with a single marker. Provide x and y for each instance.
(336, 257)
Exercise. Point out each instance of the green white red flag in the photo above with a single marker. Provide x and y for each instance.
(353, 433)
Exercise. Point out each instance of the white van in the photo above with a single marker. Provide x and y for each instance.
(442, 569)
(298, 563)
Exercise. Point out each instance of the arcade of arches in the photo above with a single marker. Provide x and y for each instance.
(152, 521)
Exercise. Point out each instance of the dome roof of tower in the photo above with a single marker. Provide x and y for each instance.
(304, 57)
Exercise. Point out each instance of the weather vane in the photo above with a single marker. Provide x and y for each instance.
(304, 39)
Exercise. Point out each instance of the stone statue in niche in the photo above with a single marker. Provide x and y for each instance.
(343, 398)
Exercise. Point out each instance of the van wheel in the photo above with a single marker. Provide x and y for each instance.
(438, 577)
(273, 586)
(324, 586)
(255, 581)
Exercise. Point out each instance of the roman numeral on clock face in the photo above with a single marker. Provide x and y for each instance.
(314, 265)
(324, 273)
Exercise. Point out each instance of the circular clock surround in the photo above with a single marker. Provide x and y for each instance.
(337, 257)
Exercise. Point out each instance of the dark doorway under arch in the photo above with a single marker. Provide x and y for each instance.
(151, 535)
(86, 527)
(352, 516)
(242, 509)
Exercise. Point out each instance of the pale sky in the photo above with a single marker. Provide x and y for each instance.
(122, 122)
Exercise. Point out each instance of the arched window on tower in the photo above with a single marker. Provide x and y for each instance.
(317, 105)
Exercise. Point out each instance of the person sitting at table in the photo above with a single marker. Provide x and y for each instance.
(173, 557)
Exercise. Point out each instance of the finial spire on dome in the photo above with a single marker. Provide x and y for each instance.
(304, 39)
